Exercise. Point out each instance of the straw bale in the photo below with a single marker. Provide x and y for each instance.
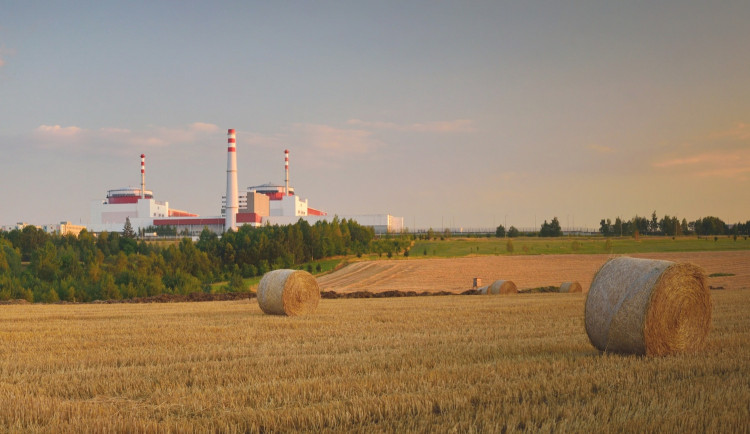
(571, 287)
(483, 289)
(501, 287)
(288, 292)
(643, 306)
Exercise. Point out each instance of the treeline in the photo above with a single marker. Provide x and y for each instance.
(37, 266)
(671, 226)
(551, 229)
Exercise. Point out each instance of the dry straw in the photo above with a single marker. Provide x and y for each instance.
(571, 287)
(643, 306)
(288, 292)
(499, 287)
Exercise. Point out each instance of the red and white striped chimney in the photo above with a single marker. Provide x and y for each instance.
(286, 170)
(232, 200)
(143, 176)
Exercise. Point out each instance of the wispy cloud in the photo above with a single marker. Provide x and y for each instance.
(739, 132)
(119, 141)
(721, 154)
(730, 164)
(601, 149)
(453, 126)
(337, 141)
(53, 131)
(3, 52)
(204, 127)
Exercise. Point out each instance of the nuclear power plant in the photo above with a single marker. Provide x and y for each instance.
(259, 205)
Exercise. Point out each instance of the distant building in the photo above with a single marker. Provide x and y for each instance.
(259, 205)
(63, 228)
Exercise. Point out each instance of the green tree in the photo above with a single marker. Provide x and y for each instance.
(513, 232)
(236, 283)
(654, 224)
(44, 262)
(127, 230)
(618, 229)
(551, 229)
(500, 231)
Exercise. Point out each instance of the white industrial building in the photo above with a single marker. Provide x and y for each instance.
(259, 205)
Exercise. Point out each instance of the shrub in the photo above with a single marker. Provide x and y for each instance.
(236, 284)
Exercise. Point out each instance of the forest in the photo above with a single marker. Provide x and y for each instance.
(41, 267)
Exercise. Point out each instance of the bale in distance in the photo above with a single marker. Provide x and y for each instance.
(288, 292)
(571, 287)
(644, 306)
(499, 287)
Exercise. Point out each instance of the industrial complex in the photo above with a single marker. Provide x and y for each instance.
(258, 205)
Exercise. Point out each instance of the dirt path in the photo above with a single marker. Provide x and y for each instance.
(456, 274)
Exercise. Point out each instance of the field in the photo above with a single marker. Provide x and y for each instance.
(457, 247)
(527, 271)
(453, 363)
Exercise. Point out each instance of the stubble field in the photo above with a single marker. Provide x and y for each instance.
(527, 271)
(453, 363)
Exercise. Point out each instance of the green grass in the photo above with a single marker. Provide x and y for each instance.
(457, 247)
(721, 274)
(326, 266)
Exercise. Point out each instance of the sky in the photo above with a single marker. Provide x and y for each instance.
(462, 114)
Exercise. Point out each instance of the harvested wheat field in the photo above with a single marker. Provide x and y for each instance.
(426, 364)
(527, 271)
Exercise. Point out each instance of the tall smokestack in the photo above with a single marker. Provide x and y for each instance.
(232, 205)
(286, 169)
(143, 176)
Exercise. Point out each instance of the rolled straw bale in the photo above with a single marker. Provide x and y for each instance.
(482, 289)
(644, 306)
(502, 287)
(288, 292)
(571, 287)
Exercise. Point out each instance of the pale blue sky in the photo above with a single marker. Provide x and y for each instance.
(457, 113)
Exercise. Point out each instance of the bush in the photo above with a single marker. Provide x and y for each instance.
(262, 267)
(509, 246)
(236, 284)
(249, 270)
(500, 231)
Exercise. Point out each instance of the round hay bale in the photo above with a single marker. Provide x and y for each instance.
(502, 287)
(482, 289)
(288, 292)
(571, 287)
(644, 306)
